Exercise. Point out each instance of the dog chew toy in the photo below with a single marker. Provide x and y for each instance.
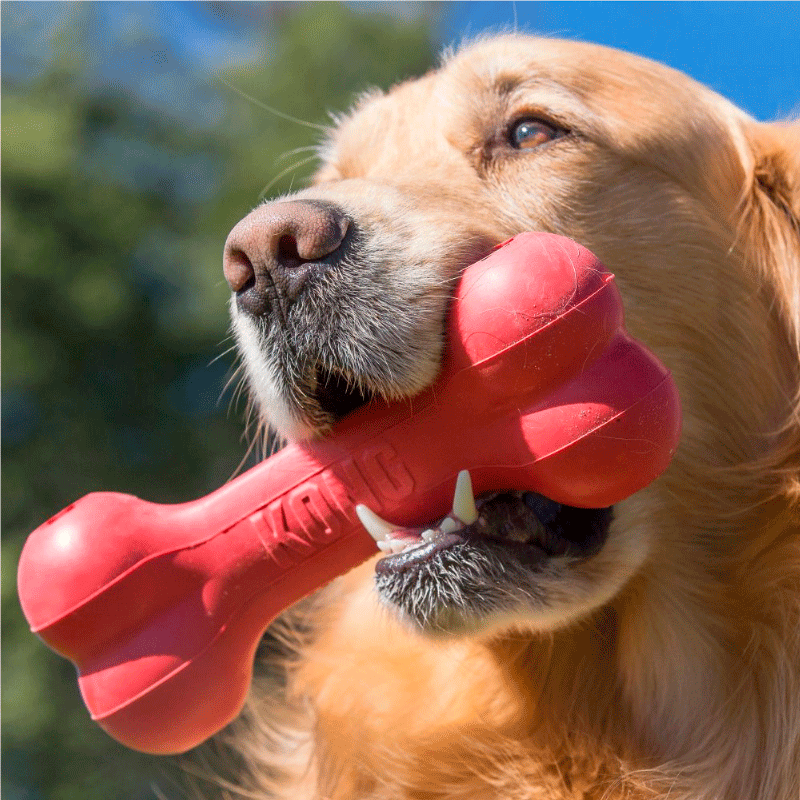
(161, 607)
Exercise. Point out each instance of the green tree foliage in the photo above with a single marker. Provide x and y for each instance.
(124, 166)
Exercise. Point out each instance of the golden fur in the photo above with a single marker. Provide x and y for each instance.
(679, 676)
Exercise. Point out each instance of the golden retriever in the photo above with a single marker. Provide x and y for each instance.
(656, 652)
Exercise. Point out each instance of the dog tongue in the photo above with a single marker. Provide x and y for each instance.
(161, 607)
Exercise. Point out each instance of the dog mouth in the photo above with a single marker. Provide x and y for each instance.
(490, 558)
(337, 394)
(484, 558)
(528, 525)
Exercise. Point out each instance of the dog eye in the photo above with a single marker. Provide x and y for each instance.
(525, 134)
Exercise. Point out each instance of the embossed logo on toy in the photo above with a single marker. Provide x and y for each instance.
(314, 513)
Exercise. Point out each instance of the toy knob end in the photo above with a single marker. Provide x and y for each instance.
(64, 562)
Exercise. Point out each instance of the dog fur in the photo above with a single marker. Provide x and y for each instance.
(670, 665)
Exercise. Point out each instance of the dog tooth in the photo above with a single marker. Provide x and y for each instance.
(450, 524)
(385, 545)
(428, 535)
(464, 500)
(376, 527)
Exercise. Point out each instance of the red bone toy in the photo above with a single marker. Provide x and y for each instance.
(161, 607)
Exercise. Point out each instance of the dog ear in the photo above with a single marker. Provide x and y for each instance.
(769, 235)
(776, 169)
(771, 215)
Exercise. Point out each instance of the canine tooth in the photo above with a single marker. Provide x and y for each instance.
(464, 500)
(428, 535)
(385, 545)
(376, 527)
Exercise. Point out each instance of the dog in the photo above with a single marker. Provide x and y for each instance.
(656, 652)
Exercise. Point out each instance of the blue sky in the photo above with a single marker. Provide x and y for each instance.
(749, 52)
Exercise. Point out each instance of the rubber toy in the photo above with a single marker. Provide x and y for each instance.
(161, 607)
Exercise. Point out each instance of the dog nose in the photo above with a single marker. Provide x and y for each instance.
(272, 252)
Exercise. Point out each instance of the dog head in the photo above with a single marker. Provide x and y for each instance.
(341, 290)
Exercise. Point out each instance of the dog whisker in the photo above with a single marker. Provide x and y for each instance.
(311, 148)
(292, 168)
(274, 111)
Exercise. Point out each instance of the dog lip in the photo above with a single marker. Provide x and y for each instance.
(546, 540)
(391, 565)
(529, 553)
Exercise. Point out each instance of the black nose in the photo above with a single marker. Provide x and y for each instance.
(276, 248)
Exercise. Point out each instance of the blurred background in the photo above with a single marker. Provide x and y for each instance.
(134, 136)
